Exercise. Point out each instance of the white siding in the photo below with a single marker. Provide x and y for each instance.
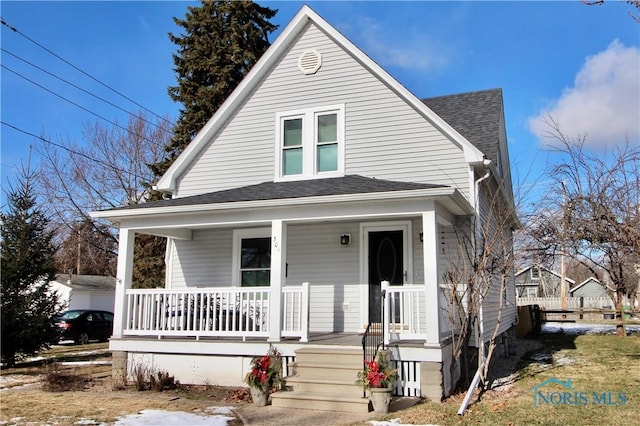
(448, 260)
(492, 216)
(314, 255)
(204, 261)
(385, 138)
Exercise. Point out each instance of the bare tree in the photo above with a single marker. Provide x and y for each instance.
(477, 279)
(633, 3)
(83, 250)
(109, 169)
(592, 212)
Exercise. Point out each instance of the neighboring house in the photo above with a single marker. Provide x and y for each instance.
(319, 182)
(85, 291)
(538, 281)
(591, 287)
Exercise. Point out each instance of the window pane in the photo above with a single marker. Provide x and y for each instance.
(328, 158)
(256, 253)
(327, 128)
(293, 132)
(255, 278)
(292, 161)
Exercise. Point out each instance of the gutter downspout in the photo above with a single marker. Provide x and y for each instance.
(479, 338)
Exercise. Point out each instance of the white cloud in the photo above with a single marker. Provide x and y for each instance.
(389, 46)
(604, 102)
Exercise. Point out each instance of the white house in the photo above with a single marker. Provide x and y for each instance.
(320, 180)
(85, 291)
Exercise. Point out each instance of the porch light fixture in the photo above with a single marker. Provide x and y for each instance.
(345, 239)
(421, 237)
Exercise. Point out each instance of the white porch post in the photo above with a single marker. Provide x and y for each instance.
(124, 276)
(431, 287)
(278, 271)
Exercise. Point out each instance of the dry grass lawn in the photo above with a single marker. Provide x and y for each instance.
(594, 364)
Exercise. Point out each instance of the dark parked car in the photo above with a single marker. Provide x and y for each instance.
(82, 325)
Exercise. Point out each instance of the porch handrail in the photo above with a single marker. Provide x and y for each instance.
(373, 337)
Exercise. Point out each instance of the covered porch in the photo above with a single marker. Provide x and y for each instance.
(326, 260)
(219, 312)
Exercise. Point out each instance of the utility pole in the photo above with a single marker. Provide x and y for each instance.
(563, 285)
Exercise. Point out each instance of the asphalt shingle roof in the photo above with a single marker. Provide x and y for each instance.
(475, 115)
(351, 184)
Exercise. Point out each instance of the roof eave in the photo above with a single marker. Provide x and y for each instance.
(459, 202)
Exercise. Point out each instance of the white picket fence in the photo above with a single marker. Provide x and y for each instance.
(572, 302)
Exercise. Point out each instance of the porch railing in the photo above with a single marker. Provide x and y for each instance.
(214, 312)
(405, 312)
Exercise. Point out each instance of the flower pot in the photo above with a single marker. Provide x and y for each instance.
(260, 396)
(380, 399)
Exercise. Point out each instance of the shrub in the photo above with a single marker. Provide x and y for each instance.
(57, 380)
(146, 378)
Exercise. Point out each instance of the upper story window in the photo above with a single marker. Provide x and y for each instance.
(310, 143)
(535, 273)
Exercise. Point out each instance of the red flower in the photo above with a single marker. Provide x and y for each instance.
(376, 375)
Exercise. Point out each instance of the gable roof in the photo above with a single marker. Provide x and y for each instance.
(87, 282)
(587, 281)
(167, 183)
(542, 268)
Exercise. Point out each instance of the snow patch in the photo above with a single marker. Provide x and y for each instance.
(162, 417)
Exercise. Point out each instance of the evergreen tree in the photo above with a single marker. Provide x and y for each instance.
(222, 40)
(26, 252)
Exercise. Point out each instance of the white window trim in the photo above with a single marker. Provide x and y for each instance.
(535, 278)
(309, 151)
(238, 236)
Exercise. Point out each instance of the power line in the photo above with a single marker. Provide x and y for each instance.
(72, 151)
(76, 104)
(15, 30)
(77, 87)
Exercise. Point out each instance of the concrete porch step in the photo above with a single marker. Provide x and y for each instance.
(316, 401)
(326, 371)
(324, 378)
(324, 386)
(336, 356)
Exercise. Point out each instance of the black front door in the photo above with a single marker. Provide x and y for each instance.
(386, 263)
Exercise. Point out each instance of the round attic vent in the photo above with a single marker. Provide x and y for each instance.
(310, 61)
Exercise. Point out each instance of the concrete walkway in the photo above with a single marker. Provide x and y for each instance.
(252, 415)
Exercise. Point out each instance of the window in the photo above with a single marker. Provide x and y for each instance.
(255, 262)
(310, 143)
(531, 292)
(327, 142)
(535, 273)
(252, 257)
(292, 147)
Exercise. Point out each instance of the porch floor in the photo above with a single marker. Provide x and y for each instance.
(338, 339)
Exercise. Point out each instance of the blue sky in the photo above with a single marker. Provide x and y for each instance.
(579, 63)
